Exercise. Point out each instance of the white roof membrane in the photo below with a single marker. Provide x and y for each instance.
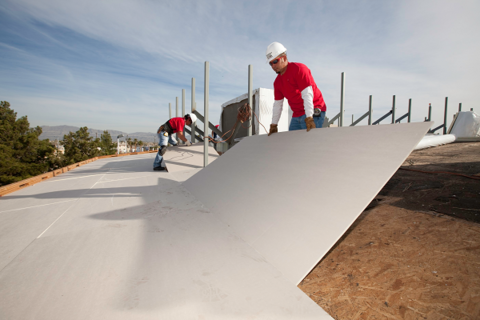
(183, 162)
(115, 240)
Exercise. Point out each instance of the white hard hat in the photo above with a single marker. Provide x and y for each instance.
(192, 116)
(274, 50)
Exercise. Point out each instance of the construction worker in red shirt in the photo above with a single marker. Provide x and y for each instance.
(295, 83)
(165, 136)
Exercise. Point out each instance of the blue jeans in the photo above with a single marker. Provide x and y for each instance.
(163, 141)
(298, 123)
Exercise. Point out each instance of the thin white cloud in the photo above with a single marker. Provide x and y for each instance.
(114, 55)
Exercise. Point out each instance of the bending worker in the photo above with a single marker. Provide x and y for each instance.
(165, 136)
(295, 83)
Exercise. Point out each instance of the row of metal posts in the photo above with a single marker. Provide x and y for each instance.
(368, 114)
(205, 114)
(339, 116)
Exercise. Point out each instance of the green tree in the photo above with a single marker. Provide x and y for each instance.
(79, 146)
(58, 160)
(22, 154)
(108, 146)
(135, 142)
(140, 143)
(129, 144)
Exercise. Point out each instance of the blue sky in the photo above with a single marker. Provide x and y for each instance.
(118, 64)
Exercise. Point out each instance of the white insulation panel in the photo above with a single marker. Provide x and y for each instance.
(263, 109)
(435, 140)
(183, 162)
(114, 240)
(292, 195)
(466, 125)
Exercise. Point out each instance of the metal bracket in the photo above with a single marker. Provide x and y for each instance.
(361, 118)
(385, 116)
(196, 136)
(210, 125)
(402, 117)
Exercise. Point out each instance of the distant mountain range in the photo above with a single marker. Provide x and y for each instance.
(57, 133)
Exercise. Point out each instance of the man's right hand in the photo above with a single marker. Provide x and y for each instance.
(273, 129)
(188, 143)
(310, 123)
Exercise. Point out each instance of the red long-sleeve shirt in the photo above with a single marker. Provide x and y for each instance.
(177, 124)
(290, 85)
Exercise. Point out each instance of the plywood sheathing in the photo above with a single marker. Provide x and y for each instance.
(410, 197)
(453, 194)
(395, 263)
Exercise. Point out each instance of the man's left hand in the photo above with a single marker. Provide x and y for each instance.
(188, 143)
(310, 123)
(273, 129)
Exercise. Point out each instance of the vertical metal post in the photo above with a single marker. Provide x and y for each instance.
(352, 118)
(176, 115)
(183, 102)
(169, 111)
(250, 122)
(409, 110)
(193, 109)
(393, 109)
(205, 115)
(459, 107)
(183, 108)
(370, 111)
(429, 112)
(342, 97)
(445, 117)
(176, 107)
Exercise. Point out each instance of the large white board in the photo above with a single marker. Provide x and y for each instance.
(292, 195)
(183, 162)
(114, 240)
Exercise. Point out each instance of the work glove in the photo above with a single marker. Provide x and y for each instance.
(273, 129)
(310, 123)
(188, 143)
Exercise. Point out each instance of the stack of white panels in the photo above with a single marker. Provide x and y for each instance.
(263, 109)
(466, 126)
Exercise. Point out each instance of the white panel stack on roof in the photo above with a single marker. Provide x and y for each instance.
(292, 195)
(431, 140)
(263, 99)
(466, 126)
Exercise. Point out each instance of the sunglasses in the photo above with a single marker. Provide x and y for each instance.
(274, 61)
